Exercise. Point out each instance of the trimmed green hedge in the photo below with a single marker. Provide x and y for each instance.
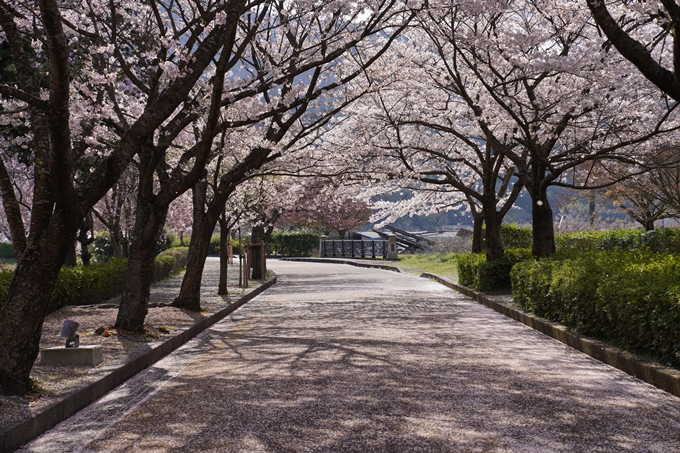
(96, 283)
(513, 236)
(88, 285)
(292, 244)
(475, 272)
(631, 299)
(467, 269)
(6, 250)
(659, 240)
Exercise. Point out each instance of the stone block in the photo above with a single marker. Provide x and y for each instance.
(83, 355)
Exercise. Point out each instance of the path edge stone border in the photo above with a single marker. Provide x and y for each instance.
(24, 432)
(665, 378)
(350, 263)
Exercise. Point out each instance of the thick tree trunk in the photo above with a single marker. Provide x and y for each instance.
(256, 264)
(591, 210)
(70, 260)
(201, 233)
(149, 222)
(116, 238)
(26, 304)
(494, 242)
(135, 299)
(12, 212)
(224, 257)
(543, 228)
(649, 224)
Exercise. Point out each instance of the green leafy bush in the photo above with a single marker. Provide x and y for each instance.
(96, 283)
(170, 261)
(475, 272)
(495, 275)
(516, 237)
(631, 299)
(659, 240)
(103, 250)
(88, 285)
(292, 244)
(513, 236)
(6, 250)
(467, 269)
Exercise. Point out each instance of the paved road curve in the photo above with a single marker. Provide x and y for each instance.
(337, 358)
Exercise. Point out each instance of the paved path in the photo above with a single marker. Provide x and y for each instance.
(338, 358)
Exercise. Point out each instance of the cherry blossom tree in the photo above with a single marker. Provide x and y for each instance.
(534, 81)
(644, 33)
(119, 73)
(326, 206)
(115, 211)
(300, 67)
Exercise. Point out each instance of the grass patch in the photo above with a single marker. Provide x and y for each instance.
(444, 265)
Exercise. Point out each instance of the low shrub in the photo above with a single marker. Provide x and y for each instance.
(292, 244)
(96, 283)
(516, 237)
(81, 285)
(6, 250)
(495, 275)
(475, 272)
(659, 240)
(631, 299)
(467, 269)
(513, 236)
(179, 254)
(170, 261)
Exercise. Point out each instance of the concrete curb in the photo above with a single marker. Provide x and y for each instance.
(24, 432)
(660, 376)
(339, 261)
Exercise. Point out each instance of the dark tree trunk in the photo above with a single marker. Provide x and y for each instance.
(494, 243)
(256, 264)
(543, 228)
(26, 304)
(492, 218)
(190, 293)
(478, 223)
(149, 222)
(116, 237)
(135, 299)
(649, 224)
(70, 260)
(261, 235)
(224, 256)
(86, 239)
(591, 209)
(12, 212)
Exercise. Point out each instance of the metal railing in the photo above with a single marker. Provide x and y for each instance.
(353, 248)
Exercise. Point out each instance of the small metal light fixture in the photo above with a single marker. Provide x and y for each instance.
(69, 332)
